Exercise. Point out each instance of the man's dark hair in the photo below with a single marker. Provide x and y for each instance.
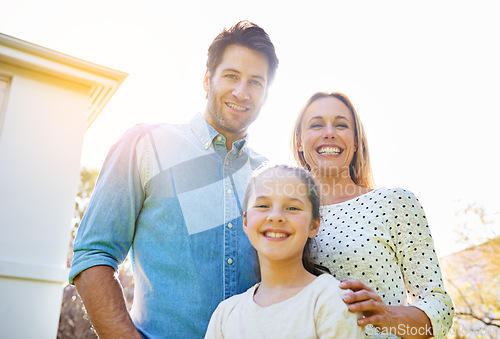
(246, 34)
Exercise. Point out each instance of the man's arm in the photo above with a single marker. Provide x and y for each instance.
(102, 296)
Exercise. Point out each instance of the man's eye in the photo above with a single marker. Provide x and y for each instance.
(231, 76)
(256, 83)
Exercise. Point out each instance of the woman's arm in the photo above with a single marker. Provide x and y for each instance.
(403, 321)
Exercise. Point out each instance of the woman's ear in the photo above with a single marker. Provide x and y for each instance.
(314, 227)
(299, 146)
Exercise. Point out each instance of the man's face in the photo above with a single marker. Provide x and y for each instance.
(237, 90)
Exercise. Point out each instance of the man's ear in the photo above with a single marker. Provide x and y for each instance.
(314, 227)
(265, 99)
(245, 227)
(206, 81)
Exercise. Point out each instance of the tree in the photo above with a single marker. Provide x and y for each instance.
(73, 321)
(472, 276)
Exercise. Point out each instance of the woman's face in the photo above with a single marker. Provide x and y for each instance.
(328, 137)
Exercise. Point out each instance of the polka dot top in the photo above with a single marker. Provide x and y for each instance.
(382, 238)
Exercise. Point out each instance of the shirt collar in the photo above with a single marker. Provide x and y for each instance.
(206, 134)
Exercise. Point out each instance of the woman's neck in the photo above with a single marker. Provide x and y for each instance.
(335, 189)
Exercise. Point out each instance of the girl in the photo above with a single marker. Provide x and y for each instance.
(293, 299)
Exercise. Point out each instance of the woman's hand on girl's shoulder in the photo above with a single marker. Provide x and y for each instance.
(387, 319)
(365, 300)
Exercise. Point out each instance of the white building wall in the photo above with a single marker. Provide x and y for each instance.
(46, 109)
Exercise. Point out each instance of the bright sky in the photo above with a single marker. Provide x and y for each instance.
(425, 77)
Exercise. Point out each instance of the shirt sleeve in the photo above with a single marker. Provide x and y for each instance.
(333, 319)
(419, 263)
(214, 330)
(107, 228)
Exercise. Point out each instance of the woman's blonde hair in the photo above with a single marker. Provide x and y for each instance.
(360, 168)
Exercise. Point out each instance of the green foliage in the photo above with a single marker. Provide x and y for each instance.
(88, 178)
(73, 320)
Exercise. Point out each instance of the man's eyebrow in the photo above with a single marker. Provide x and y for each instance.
(232, 70)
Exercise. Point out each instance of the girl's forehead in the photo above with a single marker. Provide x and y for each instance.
(276, 175)
(279, 182)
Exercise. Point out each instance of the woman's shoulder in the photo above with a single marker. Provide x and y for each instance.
(393, 194)
(377, 195)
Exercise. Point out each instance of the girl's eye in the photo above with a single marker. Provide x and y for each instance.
(293, 208)
(261, 206)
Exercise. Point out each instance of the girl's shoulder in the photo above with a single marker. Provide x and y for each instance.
(230, 303)
(327, 281)
(328, 291)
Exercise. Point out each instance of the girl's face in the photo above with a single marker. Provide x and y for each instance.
(279, 220)
(328, 137)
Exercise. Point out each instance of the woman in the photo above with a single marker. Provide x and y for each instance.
(377, 240)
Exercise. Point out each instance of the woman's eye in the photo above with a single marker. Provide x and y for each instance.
(313, 126)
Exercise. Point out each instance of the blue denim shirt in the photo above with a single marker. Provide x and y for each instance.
(171, 195)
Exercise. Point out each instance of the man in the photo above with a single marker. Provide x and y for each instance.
(171, 195)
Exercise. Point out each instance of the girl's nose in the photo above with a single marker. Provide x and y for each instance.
(276, 215)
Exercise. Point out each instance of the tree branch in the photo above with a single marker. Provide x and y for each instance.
(487, 321)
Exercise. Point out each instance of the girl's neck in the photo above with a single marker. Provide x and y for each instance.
(335, 189)
(281, 281)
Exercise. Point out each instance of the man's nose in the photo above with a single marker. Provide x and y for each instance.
(241, 91)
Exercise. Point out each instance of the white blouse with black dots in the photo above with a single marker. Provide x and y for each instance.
(382, 238)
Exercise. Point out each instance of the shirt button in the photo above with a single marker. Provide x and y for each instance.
(229, 191)
(219, 138)
(230, 261)
(227, 162)
(230, 225)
